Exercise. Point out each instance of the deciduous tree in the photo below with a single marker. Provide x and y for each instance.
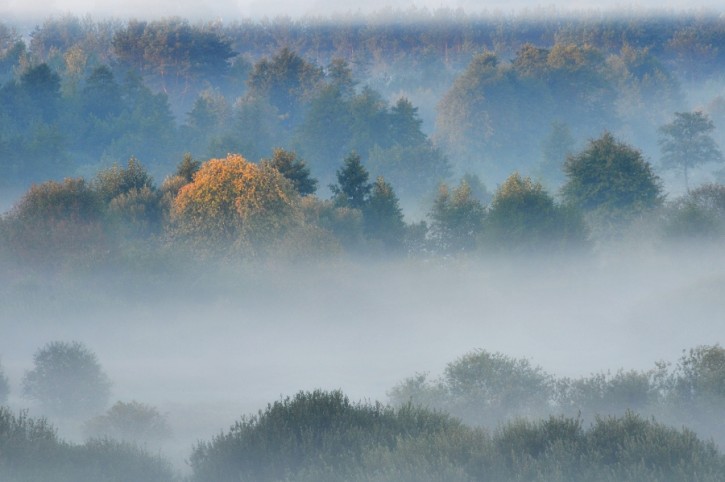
(67, 380)
(611, 176)
(686, 142)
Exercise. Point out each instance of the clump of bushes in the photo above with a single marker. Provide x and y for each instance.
(322, 436)
(486, 389)
(30, 450)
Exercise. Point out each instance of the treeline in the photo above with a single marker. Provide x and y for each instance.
(418, 98)
(235, 210)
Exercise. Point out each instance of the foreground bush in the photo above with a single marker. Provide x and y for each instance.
(312, 433)
(30, 450)
(321, 436)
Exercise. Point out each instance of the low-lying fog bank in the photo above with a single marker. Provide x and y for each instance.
(209, 347)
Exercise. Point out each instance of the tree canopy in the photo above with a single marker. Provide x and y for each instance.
(611, 176)
(686, 142)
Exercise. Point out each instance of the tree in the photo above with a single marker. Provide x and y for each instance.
(686, 142)
(482, 388)
(383, 217)
(234, 206)
(102, 94)
(67, 380)
(698, 214)
(352, 188)
(315, 433)
(42, 87)
(131, 197)
(523, 216)
(456, 219)
(285, 80)
(57, 223)
(554, 149)
(187, 168)
(405, 124)
(611, 177)
(294, 169)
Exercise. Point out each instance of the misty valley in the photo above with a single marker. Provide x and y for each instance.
(418, 246)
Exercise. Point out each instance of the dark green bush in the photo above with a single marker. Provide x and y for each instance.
(31, 451)
(311, 432)
(321, 436)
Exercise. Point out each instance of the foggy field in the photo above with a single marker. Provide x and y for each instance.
(233, 342)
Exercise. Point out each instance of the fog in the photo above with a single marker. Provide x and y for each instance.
(209, 307)
(210, 347)
(229, 10)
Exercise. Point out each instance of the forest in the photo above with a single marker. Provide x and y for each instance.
(337, 248)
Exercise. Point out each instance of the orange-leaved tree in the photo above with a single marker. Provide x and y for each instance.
(233, 204)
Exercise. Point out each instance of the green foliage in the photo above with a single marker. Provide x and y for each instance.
(131, 422)
(612, 178)
(295, 170)
(41, 87)
(482, 388)
(456, 219)
(102, 94)
(30, 450)
(285, 79)
(523, 216)
(606, 394)
(172, 48)
(352, 189)
(493, 105)
(700, 214)
(686, 142)
(67, 380)
(700, 374)
(321, 436)
(187, 168)
(57, 222)
(383, 217)
(132, 200)
(310, 431)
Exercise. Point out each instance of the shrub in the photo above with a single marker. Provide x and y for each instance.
(132, 422)
(309, 432)
(30, 450)
(483, 388)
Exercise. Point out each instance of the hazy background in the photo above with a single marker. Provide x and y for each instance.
(234, 9)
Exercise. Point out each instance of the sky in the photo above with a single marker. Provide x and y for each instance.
(236, 9)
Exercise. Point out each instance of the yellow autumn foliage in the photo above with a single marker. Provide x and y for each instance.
(233, 204)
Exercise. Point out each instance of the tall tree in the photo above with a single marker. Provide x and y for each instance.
(286, 80)
(523, 216)
(294, 169)
(456, 219)
(383, 217)
(686, 142)
(352, 189)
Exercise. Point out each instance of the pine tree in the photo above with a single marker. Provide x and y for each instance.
(352, 189)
